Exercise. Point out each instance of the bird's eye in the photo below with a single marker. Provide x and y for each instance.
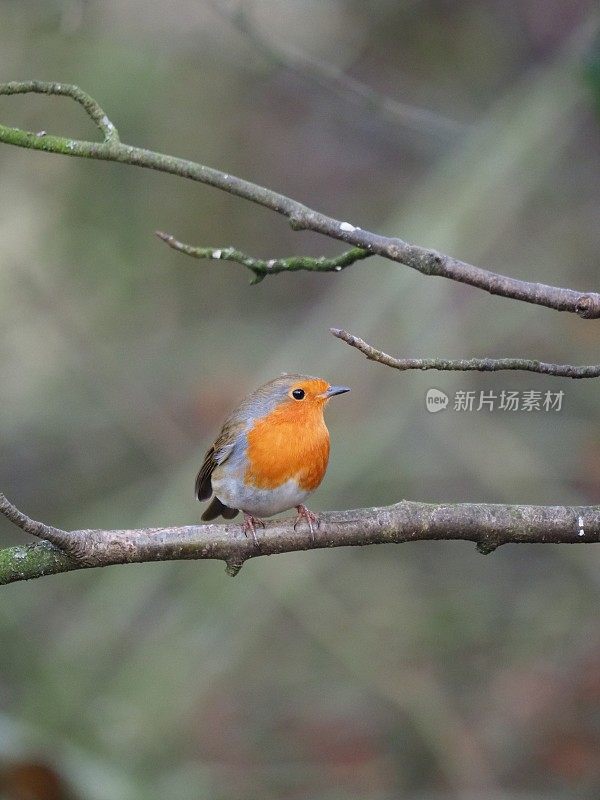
(298, 394)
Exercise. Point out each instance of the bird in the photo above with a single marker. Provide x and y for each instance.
(271, 454)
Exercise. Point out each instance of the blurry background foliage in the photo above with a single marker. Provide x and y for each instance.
(416, 671)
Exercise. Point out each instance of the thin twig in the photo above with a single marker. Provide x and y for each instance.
(424, 260)
(92, 108)
(466, 364)
(489, 526)
(262, 268)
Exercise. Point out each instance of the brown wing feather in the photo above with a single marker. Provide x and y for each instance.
(217, 454)
(203, 484)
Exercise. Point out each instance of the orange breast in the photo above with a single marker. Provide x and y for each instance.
(290, 442)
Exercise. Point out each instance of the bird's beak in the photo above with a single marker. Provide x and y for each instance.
(333, 390)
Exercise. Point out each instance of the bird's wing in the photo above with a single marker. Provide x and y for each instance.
(203, 487)
(216, 455)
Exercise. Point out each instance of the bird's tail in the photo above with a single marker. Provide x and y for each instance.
(218, 509)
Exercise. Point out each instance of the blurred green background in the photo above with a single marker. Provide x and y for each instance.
(416, 671)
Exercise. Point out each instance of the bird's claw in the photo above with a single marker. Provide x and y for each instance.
(250, 524)
(312, 519)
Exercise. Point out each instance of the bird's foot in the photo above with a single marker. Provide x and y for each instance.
(250, 524)
(312, 519)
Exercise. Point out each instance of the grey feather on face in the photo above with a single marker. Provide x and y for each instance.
(266, 397)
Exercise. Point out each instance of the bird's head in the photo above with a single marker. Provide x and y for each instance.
(298, 396)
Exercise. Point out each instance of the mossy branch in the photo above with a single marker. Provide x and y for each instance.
(91, 107)
(488, 526)
(261, 268)
(300, 216)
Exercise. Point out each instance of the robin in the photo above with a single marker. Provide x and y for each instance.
(272, 452)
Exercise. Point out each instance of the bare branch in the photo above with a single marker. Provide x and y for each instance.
(424, 260)
(262, 268)
(489, 526)
(334, 79)
(464, 364)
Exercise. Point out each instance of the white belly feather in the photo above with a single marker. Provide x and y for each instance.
(258, 502)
